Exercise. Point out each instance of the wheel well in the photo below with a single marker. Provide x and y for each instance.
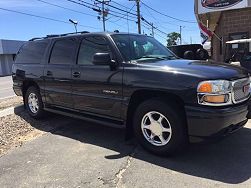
(140, 96)
(27, 84)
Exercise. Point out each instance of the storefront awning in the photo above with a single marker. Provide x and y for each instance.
(239, 41)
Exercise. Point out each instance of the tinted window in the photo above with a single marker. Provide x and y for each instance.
(89, 47)
(141, 48)
(31, 52)
(63, 51)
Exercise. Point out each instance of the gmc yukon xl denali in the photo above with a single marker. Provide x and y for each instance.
(132, 81)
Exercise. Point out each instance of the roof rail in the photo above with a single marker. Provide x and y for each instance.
(58, 35)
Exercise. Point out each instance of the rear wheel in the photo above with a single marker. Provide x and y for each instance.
(33, 102)
(202, 54)
(160, 127)
(189, 55)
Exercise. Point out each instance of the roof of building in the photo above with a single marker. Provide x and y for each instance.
(10, 46)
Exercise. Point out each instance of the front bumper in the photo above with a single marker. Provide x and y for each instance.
(208, 122)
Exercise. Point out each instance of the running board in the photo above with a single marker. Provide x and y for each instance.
(88, 117)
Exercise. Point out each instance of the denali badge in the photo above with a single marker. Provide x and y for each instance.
(219, 3)
(110, 92)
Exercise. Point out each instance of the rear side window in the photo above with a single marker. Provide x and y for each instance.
(63, 51)
(31, 52)
(90, 46)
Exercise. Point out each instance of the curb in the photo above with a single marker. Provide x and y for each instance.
(7, 97)
(11, 110)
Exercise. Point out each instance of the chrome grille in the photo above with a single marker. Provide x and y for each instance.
(239, 92)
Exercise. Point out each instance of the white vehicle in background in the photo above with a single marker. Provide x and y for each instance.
(241, 52)
(207, 47)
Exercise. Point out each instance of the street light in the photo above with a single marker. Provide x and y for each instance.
(75, 23)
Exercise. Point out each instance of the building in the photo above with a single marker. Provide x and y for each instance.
(8, 48)
(227, 20)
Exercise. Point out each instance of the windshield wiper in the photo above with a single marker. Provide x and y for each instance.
(151, 57)
(157, 57)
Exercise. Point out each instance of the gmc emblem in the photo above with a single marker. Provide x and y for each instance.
(246, 88)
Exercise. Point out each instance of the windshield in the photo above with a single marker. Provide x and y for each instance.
(141, 48)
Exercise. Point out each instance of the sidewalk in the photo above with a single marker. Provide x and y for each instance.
(6, 90)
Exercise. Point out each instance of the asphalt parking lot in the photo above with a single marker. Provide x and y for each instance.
(74, 153)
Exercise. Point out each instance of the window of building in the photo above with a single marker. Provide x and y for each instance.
(91, 46)
(63, 51)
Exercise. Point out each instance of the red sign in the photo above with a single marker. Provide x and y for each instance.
(219, 3)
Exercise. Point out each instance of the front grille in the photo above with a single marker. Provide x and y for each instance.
(240, 93)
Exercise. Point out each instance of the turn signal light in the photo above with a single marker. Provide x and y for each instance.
(205, 87)
(216, 98)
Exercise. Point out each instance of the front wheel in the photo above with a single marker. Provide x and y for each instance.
(160, 127)
(33, 102)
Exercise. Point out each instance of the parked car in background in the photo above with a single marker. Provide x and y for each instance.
(190, 51)
(132, 81)
(240, 53)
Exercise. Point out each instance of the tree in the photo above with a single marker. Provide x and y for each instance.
(172, 38)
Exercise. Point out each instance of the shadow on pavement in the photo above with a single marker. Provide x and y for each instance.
(227, 161)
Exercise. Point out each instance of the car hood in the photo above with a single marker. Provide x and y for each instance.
(202, 69)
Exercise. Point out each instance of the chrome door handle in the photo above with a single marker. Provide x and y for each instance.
(49, 73)
(76, 74)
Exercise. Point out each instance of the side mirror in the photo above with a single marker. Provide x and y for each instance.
(101, 59)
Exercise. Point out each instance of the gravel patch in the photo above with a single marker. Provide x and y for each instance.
(19, 128)
(13, 101)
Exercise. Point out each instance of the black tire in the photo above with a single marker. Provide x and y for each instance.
(176, 118)
(202, 54)
(189, 55)
(40, 112)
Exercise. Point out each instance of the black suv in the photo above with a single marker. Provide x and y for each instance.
(132, 81)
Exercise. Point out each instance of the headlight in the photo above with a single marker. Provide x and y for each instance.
(214, 86)
(214, 92)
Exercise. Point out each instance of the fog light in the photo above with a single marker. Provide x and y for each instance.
(216, 98)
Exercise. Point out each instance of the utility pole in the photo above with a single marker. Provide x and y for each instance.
(103, 15)
(138, 15)
(103, 12)
(180, 35)
(152, 29)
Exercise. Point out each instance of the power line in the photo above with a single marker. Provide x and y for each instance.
(122, 17)
(75, 11)
(157, 20)
(42, 17)
(177, 19)
(119, 9)
(66, 8)
(119, 16)
(123, 14)
(120, 5)
(99, 10)
(87, 6)
(126, 15)
(88, 3)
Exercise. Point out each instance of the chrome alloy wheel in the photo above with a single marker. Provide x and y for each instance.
(156, 128)
(33, 103)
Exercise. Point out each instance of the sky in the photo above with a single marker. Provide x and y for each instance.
(16, 26)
